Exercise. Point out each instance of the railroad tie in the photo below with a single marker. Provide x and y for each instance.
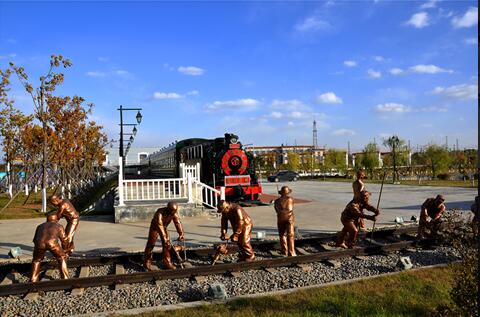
(302, 251)
(84, 272)
(333, 263)
(360, 257)
(119, 270)
(271, 270)
(47, 276)
(199, 279)
(274, 252)
(304, 267)
(11, 278)
(49, 273)
(234, 273)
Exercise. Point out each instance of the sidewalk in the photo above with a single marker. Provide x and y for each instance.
(99, 233)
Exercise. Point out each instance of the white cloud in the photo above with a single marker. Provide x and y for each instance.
(461, 92)
(429, 4)
(96, 74)
(312, 23)
(193, 93)
(343, 132)
(350, 63)
(432, 109)
(428, 69)
(420, 69)
(379, 58)
(246, 103)
(291, 105)
(166, 95)
(374, 74)
(296, 115)
(119, 72)
(396, 71)
(418, 20)
(392, 107)
(290, 124)
(191, 70)
(471, 41)
(329, 97)
(122, 72)
(470, 18)
(276, 115)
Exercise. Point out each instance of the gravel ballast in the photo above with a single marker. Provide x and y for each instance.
(100, 299)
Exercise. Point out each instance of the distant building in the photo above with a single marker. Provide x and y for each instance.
(134, 156)
(280, 153)
(381, 157)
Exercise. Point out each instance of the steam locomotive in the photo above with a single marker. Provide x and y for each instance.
(223, 162)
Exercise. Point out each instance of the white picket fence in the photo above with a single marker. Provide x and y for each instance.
(154, 189)
(207, 195)
(186, 187)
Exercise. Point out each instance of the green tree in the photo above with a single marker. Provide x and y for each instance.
(335, 159)
(293, 162)
(396, 145)
(369, 158)
(39, 95)
(437, 159)
(419, 165)
(12, 123)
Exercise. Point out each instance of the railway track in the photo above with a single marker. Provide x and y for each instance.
(311, 249)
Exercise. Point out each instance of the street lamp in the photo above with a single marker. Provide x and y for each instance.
(138, 117)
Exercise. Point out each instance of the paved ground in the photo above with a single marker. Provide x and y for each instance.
(320, 215)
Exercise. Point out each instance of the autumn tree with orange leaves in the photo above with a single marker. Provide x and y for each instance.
(62, 141)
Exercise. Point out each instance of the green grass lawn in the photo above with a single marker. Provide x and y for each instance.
(415, 293)
(437, 182)
(21, 208)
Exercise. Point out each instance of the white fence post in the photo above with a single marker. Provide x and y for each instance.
(189, 188)
(182, 170)
(197, 172)
(26, 189)
(69, 191)
(222, 193)
(120, 181)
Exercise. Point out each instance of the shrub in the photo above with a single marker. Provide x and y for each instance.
(459, 234)
(443, 177)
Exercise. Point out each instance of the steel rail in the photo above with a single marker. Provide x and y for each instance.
(141, 277)
(201, 252)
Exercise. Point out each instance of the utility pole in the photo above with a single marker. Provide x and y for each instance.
(348, 152)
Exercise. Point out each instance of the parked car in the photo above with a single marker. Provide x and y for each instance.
(284, 176)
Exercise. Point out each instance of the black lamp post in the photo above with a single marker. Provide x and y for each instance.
(138, 117)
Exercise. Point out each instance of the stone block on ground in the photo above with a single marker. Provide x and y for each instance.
(333, 263)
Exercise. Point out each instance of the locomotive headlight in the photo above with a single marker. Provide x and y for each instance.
(233, 140)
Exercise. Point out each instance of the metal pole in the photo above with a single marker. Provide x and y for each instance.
(120, 150)
(378, 204)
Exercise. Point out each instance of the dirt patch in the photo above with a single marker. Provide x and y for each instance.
(266, 198)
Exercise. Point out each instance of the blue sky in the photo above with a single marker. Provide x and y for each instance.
(264, 70)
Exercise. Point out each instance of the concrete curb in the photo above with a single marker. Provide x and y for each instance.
(136, 311)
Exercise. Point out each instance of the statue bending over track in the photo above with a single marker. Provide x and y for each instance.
(158, 227)
(350, 216)
(46, 238)
(431, 215)
(66, 210)
(241, 225)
